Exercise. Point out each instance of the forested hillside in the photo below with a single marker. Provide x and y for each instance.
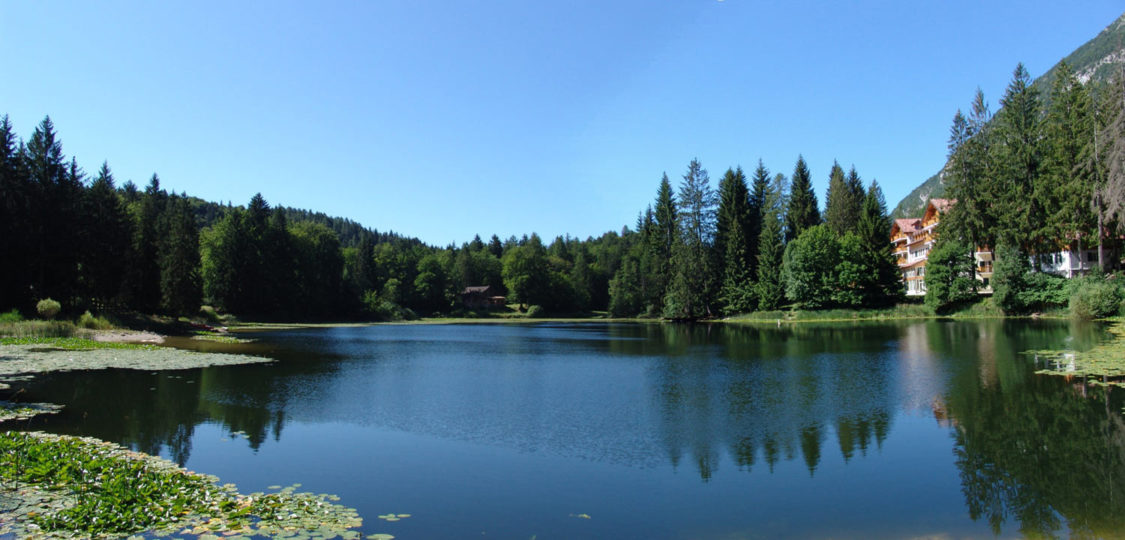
(1094, 61)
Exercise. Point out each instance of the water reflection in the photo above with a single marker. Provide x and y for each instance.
(1041, 455)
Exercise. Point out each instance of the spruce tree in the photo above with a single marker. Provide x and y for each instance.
(835, 209)
(802, 211)
(107, 248)
(690, 293)
(178, 253)
(771, 251)
(1064, 191)
(657, 273)
(882, 285)
(16, 225)
(759, 190)
(734, 209)
(1019, 156)
(144, 274)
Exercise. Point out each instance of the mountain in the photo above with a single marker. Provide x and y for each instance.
(1093, 61)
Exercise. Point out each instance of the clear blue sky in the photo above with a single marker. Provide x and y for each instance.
(442, 120)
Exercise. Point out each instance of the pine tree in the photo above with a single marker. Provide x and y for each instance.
(970, 177)
(178, 254)
(108, 244)
(731, 258)
(1019, 134)
(16, 225)
(52, 212)
(771, 251)
(837, 204)
(657, 272)
(692, 287)
(144, 275)
(734, 209)
(802, 211)
(1064, 191)
(759, 190)
(882, 285)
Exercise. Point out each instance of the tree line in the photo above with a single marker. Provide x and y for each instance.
(757, 246)
(695, 253)
(1044, 173)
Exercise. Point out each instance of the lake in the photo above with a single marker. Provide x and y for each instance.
(874, 430)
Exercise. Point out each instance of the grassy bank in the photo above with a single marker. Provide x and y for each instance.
(58, 486)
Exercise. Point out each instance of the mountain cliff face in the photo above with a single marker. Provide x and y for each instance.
(1093, 61)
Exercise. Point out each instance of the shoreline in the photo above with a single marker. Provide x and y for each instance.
(178, 502)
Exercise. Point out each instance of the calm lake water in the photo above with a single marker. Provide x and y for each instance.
(644, 431)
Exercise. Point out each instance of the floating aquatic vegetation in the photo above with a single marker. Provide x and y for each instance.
(40, 358)
(1104, 364)
(219, 337)
(54, 486)
(24, 411)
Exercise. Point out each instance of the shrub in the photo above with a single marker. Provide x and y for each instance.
(87, 320)
(209, 314)
(11, 316)
(37, 329)
(1043, 290)
(1095, 299)
(48, 308)
(536, 311)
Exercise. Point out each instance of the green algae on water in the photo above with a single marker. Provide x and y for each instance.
(1102, 365)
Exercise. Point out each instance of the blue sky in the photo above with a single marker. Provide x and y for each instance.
(442, 120)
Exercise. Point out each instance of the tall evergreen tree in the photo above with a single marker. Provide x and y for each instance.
(837, 202)
(1019, 156)
(771, 251)
(882, 284)
(16, 225)
(759, 190)
(1064, 191)
(144, 275)
(107, 247)
(734, 210)
(690, 294)
(802, 211)
(53, 212)
(178, 253)
(970, 177)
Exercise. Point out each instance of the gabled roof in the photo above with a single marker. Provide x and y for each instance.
(478, 290)
(938, 206)
(905, 226)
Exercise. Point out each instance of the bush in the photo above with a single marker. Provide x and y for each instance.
(48, 308)
(1095, 299)
(38, 329)
(11, 316)
(1043, 290)
(536, 311)
(87, 320)
(209, 314)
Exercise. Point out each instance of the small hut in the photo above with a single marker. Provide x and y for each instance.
(483, 296)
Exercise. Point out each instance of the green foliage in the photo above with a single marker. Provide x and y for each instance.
(89, 321)
(535, 312)
(1042, 290)
(1096, 298)
(1009, 278)
(949, 275)
(693, 285)
(802, 211)
(114, 492)
(37, 329)
(11, 316)
(209, 314)
(771, 251)
(48, 308)
(811, 263)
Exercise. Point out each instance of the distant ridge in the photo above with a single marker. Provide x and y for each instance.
(1095, 60)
